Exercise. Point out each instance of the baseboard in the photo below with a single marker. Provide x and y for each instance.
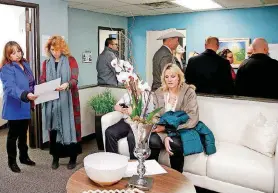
(84, 139)
(5, 126)
(89, 137)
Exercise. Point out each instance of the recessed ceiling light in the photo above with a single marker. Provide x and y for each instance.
(198, 4)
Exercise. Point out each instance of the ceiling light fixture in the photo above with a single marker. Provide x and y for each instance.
(198, 4)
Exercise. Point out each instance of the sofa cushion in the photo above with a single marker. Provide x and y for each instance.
(241, 166)
(195, 163)
(261, 135)
(227, 118)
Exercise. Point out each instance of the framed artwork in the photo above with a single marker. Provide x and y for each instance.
(238, 46)
(87, 57)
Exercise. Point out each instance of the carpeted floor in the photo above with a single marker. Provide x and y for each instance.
(41, 178)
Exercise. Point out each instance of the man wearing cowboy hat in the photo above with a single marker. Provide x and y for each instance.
(164, 55)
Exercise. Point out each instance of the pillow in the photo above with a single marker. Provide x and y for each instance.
(261, 135)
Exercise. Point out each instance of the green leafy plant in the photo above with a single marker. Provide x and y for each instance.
(103, 103)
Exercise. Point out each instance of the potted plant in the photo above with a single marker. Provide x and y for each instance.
(102, 103)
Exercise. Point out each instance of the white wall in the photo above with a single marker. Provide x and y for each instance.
(14, 26)
(13, 30)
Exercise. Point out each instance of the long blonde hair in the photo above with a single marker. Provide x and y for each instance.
(175, 69)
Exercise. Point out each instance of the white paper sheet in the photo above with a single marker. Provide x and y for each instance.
(46, 91)
(152, 168)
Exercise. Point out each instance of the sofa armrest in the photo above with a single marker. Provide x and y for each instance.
(276, 170)
(109, 119)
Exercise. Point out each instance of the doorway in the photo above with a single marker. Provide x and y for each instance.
(106, 32)
(153, 45)
(22, 20)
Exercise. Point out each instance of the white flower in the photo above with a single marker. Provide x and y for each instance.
(118, 68)
(134, 76)
(123, 77)
(143, 86)
(121, 63)
(114, 62)
(118, 64)
(128, 67)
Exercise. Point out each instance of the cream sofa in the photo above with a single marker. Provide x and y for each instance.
(233, 168)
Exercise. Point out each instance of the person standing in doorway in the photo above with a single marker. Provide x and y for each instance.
(106, 74)
(164, 55)
(18, 87)
(62, 116)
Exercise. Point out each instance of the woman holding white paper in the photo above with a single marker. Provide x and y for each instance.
(18, 87)
(62, 116)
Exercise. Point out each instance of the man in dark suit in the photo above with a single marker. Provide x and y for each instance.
(164, 55)
(209, 72)
(258, 76)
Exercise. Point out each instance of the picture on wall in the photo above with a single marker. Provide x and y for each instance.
(87, 57)
(238, 46)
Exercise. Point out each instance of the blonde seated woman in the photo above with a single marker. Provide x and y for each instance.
(173, 95)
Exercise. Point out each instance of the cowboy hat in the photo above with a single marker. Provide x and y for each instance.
(172, 33)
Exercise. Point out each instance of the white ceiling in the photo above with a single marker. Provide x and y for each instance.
(129, 8)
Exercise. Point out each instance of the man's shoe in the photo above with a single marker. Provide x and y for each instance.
(27, 162)
(14, 167)
(71, 165)
(55, 165)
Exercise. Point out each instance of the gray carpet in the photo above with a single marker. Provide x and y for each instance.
(41, 178)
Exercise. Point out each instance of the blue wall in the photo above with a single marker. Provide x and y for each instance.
(237, 23)
(83, 35)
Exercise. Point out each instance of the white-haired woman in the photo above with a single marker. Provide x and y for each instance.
(173, 95)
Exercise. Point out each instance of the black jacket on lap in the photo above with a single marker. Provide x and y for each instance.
(258, 77)
(210, 73)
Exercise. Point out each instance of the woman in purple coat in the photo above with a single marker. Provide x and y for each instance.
(18, 87)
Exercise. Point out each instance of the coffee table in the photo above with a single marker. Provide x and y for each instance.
(172, 182)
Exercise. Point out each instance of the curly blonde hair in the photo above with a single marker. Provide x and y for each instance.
(58, 43)
(174, 69)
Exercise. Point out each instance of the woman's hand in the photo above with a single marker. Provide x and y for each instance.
(159, 128)
(32, 97)
(62, 87)
(167, 141)
(127, 111)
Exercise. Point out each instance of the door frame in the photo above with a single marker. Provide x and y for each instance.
(35, 128)
(121, 41)
(149, 57)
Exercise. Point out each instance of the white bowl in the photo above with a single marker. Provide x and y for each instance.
(105, 168)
